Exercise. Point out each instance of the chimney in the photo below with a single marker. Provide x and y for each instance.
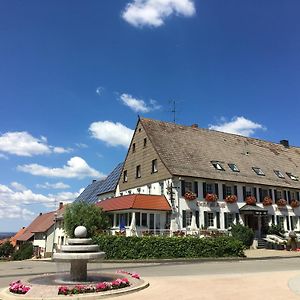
(285, 143)
(61, 205)
(94, 180)
(41, 213)
(194, 125)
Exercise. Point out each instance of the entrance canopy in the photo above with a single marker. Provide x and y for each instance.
(253, 210)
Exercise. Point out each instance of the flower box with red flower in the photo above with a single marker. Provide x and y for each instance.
(267, 201)
(295, 203)
(190, 196)
(231, 199)
(250, 200)
(281, 202)
(211, 197)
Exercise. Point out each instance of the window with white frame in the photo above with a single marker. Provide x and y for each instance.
(278, 194)
(210, 219)
(278, 174)
(258, 171)
(293, 195)
(233, 167)
(264, 193)
(188, 186)
(210, 188)
(249, 191)
(230, 219)
(228, 190)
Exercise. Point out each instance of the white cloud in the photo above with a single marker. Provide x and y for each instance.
(22, 143)
(18, 186)
(57, 185)
(81, 145)
(61, 150)
(113, 134)
(13, 200)
(100, 90)
(238, 125)
(138, 105)
(152, 13)
(76, 168)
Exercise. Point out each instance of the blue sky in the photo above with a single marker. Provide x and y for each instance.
(75, 75)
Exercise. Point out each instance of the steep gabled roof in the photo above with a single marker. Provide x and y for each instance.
(188, 151)
(40, 224)
(136, 201)
(96, 188)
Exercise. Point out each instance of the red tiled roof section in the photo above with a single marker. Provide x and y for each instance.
(40, 224)
(138, 201)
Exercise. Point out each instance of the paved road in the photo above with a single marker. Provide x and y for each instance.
(22, 269)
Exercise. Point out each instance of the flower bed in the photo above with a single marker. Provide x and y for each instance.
(281, 202)
(17, 287)
(295, 203)
(267, 201)
(190, 196)
(250, 200)
(231, 199)
(211, 197)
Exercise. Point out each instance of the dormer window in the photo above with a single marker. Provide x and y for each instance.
(258, 171)
(233, 167)
(154, 166)
(279, 174)
(217, 165)
(293, 177)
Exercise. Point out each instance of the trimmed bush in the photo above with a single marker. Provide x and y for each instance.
(121, 247)
(25, 252)
(276, 229)
(6, 249)
(243, 234)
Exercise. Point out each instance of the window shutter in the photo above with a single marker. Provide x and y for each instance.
(235, 190)
(273, 219)
(204, 189)
(270, 193)
(292, 223)
(182, 187)
(196, 188)
(285, 195)
(260, 195)
(218, 219)
(197, 218)
(298, 196)
(224, 191)
(205, 219)
(184, 219)
(255, 192)
(277, 220)
(275, 193)
(217, 189)
(287, 223)
(289, 196)
(225, 220)
(237, 218)
(244, 193)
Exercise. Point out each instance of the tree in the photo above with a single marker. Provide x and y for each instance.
(84, 214)
(25, 252)
(6, 249)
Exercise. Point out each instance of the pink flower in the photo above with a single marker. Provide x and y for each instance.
(135, 275)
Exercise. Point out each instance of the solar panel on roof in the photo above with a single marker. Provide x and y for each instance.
(109, 184)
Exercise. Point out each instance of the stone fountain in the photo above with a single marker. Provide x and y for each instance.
(79, 252)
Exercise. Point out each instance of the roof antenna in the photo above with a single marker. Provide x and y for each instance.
(173, 110)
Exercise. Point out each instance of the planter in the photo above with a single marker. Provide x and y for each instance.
(267, 201)
(295, 203)
(281, 203)
(231, 199)
(190, 196)
(211, 197)
(250, 200)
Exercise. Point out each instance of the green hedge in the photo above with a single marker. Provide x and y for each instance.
(121, 247)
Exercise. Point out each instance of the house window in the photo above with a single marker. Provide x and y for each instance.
(258, 171)
(228, 190)
(293, 177)
(264, 193)
(133, 147)
(233, 167)
(217, 165)
(278, 195)
(138, 171)
(228, 219)
(144, 219)
(186, 218)
(162, 187)
(125, 177)
(293, 195)
(210, 188)
(138, 219)
(145, 142)
(138, 190)
(188, 186)
(210, 219)
(154, 166)
(249, 191)
(279, 174)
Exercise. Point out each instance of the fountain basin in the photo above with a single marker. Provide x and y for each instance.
(80, 248)
(67, 257)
